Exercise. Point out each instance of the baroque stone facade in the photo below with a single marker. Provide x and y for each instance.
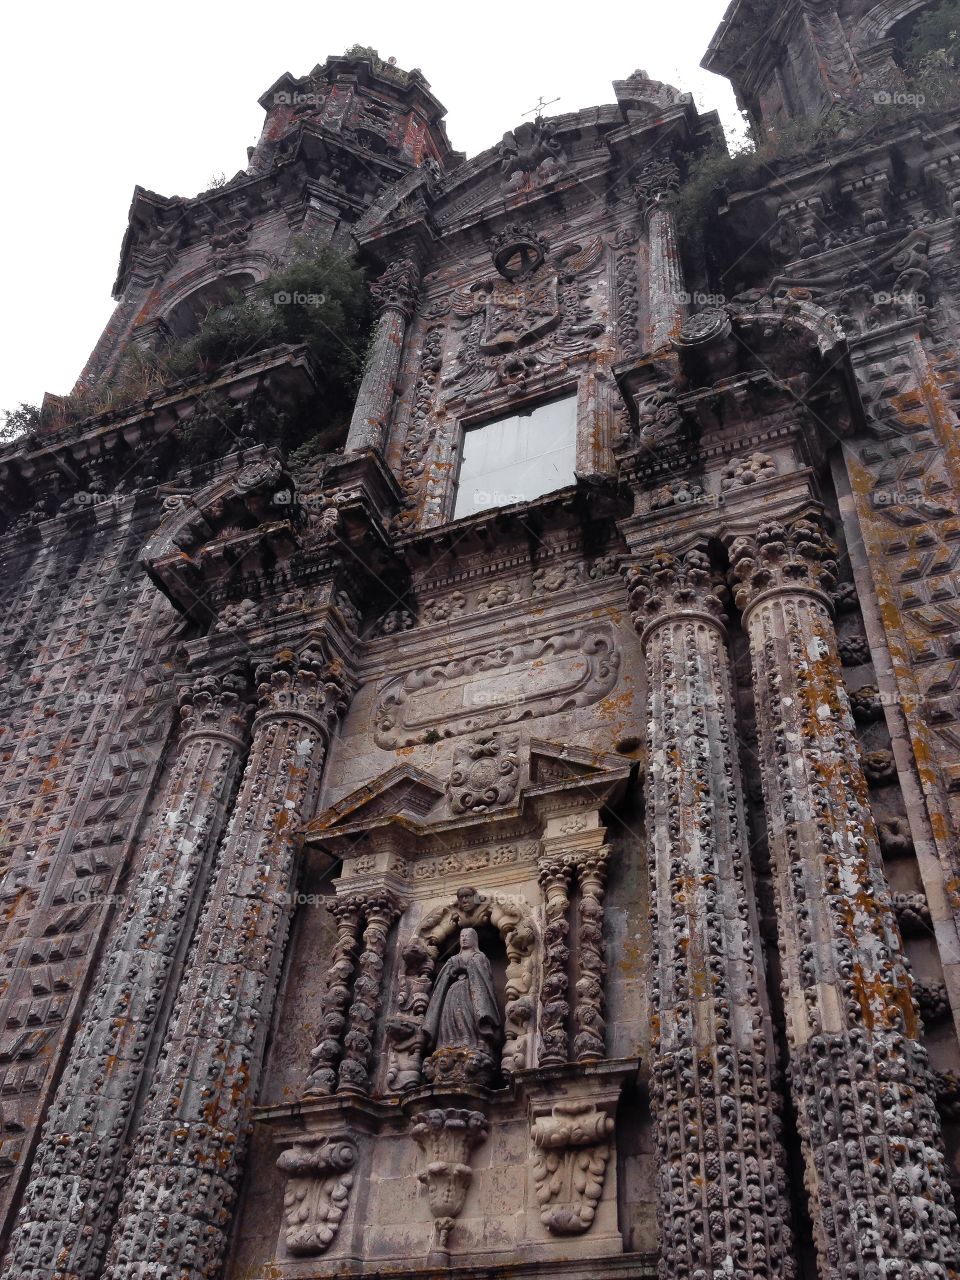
(567, 888)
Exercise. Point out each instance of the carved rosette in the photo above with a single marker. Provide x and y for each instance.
(485, 773)
(186, 1161)
(721, 1179)
(447, 1137)
(396, 293)
(573, 1147)
(317, 1193)
(869, 1128)
(64, 1219)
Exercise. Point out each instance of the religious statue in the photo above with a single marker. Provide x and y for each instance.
(462, 1014)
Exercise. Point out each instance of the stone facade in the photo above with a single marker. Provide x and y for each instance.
(570, 888)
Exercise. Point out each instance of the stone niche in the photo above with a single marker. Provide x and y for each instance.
(459, 1105)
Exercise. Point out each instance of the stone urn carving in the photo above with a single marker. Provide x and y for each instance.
(317, 1193)
(447, 1136)
(573, 1147)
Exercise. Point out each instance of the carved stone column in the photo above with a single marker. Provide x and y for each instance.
(181, 1182)
(64, 1222)
(396, 294)
(554, 875)
(336, 998)
(667, 298)
(869, 1128)
(722, 1190)
(381, 909)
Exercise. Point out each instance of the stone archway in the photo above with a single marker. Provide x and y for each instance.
(512, 917)
(878, 22)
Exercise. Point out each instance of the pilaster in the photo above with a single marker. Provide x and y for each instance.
(396, 293)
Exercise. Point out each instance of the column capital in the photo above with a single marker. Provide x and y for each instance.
(659, 178)
(306, 686)
(397, 289)
(669, 585)
(214, 706)
(783, 555)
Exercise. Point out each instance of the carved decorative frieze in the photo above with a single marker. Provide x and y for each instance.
(317, 1193)
(447, 1137)
(573, 1147)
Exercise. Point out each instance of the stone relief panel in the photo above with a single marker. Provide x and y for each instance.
(573, 667)
(485, 773)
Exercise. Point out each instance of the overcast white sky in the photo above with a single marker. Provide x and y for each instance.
(101, 95)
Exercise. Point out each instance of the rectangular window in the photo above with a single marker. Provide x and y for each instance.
(519, 458)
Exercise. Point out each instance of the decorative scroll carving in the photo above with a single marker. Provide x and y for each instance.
(469, 910)
(864, 1097)
(317, 1193)
(573, 669)
(485, 773)
(447, 1136)
(659, 177)
(721, 1180)
(573, 1147)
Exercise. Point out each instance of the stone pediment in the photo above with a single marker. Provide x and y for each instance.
(553, 763)
(403, 791)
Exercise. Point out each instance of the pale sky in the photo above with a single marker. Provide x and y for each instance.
(102, 95)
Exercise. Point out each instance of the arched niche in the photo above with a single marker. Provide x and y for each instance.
(185, 317)
(511, 916)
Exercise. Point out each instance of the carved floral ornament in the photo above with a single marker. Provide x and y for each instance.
(317, 1192)
(573, 1147)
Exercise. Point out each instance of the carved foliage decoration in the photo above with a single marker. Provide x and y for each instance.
(485, 773)
(317, 1192)
(446, 1136)
(470, 909)
(573, 1146)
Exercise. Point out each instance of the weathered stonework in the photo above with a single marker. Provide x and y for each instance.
(571, 889)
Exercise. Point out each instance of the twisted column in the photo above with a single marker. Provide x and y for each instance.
(722, 1197)
(588, 1041)
(869, 1129)
(396, 295)
(336, 998)
(554, 875)
(64, 1222)
(186, 1162)
(381, 909)
(665, 282)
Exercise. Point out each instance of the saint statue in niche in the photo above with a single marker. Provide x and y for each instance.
(462, 1013)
